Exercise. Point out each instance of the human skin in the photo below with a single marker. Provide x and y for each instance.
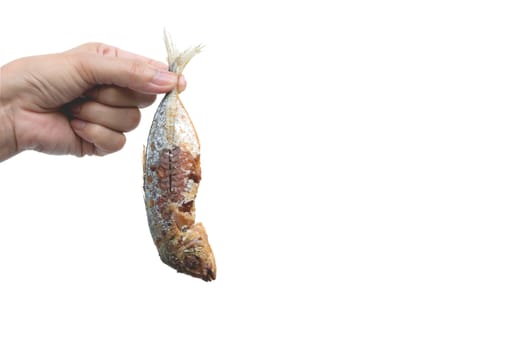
(78, 102)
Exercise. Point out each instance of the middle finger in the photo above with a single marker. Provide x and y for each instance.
(115, 118)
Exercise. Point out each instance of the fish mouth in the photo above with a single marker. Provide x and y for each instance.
(208, 275)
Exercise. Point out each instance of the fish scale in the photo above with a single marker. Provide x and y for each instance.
(172, 174)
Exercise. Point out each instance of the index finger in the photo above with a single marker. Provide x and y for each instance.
(112, 51)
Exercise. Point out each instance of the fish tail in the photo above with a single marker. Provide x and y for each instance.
(177, 60)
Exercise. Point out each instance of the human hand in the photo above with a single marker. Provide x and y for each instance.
(78, 102)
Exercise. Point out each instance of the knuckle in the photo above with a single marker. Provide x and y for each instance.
(147, 100)
(118, 142)
(86, 47)
(135, 68)
(93, 45)
(133, 119)
(75, 109)
(112, 144)
(106, 50)
(98, 48)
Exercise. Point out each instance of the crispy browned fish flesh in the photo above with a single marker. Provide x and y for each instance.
(171, 177)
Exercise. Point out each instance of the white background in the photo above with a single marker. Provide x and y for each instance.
(356, 183)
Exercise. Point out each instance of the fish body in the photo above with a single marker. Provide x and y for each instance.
(172, 174)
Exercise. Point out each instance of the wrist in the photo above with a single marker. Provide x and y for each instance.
(8, 142)
(8, 146)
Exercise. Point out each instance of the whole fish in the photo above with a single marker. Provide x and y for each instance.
(170, 180)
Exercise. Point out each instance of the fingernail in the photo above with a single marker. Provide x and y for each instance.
(75, 109)
(78, 124)
(164, 78)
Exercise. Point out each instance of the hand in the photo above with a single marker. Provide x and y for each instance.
(78, 102)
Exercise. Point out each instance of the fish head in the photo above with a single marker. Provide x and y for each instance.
(199, 264)
(189, 252)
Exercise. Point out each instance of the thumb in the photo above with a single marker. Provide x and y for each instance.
(132, 73)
